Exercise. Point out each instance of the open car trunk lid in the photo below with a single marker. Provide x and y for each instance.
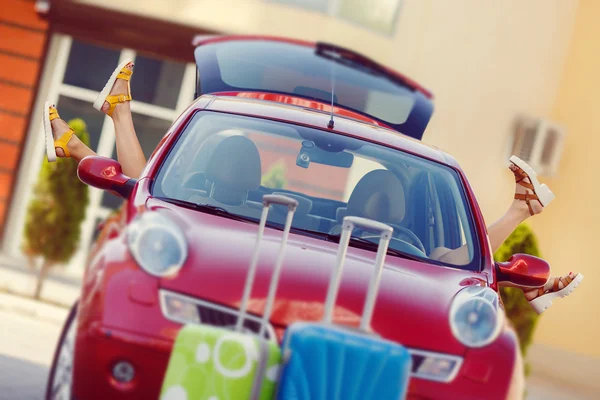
(321, 72)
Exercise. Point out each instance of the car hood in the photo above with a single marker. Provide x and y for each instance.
(412, 306)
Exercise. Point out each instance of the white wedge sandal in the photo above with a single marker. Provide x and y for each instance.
(541, 192)
(544, 298)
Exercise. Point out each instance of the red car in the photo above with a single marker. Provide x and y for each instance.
(339, 133)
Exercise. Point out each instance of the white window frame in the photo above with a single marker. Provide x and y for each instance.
(34, 148)
(333, 10)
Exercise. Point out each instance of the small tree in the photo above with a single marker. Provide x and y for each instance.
(55, 214)
(518, 310)
(275, 177)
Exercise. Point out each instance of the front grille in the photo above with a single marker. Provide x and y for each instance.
(226, 317)
(212, 314)
(217, 315)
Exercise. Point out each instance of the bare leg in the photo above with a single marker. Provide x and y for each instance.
(500, 230)
(129, 151)
(498, 233)
(517, 213)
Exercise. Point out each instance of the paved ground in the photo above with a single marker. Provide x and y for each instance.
(26, 350)
(60, 287)
(540, 389)
(29, 331)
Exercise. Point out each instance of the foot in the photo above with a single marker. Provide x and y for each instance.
(59, 128)
(520, 190)
(534, 194)
(120, 87)
(556, 287)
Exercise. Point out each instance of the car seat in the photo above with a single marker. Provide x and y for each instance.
(196, 180)
(233, 169)
(379, 195)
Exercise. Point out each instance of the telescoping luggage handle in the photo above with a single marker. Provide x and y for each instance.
(348, 225)
(267, 201)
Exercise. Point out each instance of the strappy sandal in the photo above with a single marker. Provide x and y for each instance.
(544, 298)
(50, 114)
(541, 192)
(119, 73)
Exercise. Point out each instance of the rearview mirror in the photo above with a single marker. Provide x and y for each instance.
(106, 174)
(311, 153)
(523, 270)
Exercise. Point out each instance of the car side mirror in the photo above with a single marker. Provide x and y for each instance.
(106, 174)
(523, 270)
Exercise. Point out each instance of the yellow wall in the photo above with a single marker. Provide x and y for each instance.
(570, 229)
(486, 62)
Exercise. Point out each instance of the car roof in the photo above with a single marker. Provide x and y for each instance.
(308, 116)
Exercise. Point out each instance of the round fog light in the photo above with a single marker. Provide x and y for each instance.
(123, 372)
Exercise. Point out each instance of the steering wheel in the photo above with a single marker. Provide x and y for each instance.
(413, 241)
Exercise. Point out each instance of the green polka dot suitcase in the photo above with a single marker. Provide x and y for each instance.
(211, 363)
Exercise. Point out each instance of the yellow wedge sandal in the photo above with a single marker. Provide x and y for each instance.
(50, 114)
(119, 73)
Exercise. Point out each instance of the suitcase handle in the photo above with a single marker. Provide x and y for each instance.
(368, 224)
(281, 200)
(267, 201)
(348, 225)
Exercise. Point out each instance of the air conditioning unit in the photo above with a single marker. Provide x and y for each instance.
(539, 143)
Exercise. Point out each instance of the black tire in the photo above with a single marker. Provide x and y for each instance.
(70, 318)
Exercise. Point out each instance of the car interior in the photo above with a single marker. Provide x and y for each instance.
(226, 172)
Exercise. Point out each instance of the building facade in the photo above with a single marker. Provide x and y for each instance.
(23, 39)
(486, 63)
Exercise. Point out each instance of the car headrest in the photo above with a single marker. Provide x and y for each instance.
(196, 180)
(379, 195)
(234, 169)
(200, 160)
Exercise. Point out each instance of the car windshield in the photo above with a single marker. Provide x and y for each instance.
(231, 162)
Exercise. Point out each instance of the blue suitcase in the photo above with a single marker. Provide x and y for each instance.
(322, 361)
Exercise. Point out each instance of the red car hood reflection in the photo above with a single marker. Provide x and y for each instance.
(412, 306)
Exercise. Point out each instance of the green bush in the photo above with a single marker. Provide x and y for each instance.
(56, 211)
(518, 310)
(274, 178)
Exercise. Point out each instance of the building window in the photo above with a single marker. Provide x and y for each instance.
(377, 15)
(314, 5)
(155, 87)
(161, 90)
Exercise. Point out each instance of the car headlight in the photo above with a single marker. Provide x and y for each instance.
(157, 244)
(475, 319)
(179, 308)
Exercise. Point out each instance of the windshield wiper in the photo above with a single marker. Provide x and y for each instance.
(366, 244)
(359, 242)
(355, 241)
(369, 245)
(207, 208)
